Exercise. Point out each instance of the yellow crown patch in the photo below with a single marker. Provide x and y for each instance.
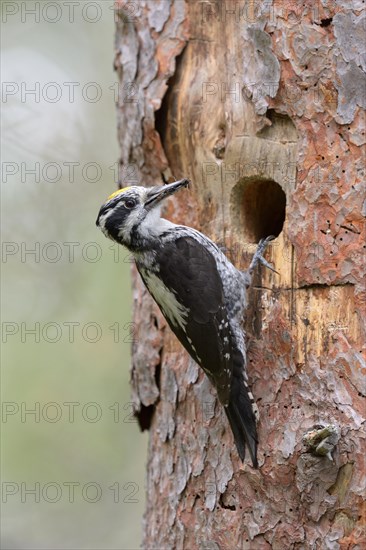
(118, 192)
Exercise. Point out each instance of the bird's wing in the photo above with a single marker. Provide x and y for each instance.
(188, 290)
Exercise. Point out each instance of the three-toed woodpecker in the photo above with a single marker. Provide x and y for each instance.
(200, 293)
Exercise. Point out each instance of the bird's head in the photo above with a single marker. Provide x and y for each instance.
(133, 213)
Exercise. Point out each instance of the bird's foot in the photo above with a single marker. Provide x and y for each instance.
(258, 255)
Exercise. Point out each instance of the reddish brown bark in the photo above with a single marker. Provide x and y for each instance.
(259, 106)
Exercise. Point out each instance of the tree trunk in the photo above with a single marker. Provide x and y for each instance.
(260, 106)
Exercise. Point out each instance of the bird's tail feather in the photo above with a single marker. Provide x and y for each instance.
(242, 420)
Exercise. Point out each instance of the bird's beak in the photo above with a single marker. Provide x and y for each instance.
(156, 194)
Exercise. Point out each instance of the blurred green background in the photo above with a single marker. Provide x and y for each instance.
(73, 470)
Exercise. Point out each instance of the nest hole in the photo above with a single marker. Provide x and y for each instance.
(259, 208)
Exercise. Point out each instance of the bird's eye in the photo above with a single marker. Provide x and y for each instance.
(130, 203)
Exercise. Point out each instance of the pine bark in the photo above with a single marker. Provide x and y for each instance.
(260, 105)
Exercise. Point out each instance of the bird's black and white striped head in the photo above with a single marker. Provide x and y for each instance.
(131, 215)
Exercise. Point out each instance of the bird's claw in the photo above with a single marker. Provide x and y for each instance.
(258, 255)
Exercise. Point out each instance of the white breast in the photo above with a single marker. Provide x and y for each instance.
(166, 300)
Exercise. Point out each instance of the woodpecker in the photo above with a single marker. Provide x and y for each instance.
(199, 291)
